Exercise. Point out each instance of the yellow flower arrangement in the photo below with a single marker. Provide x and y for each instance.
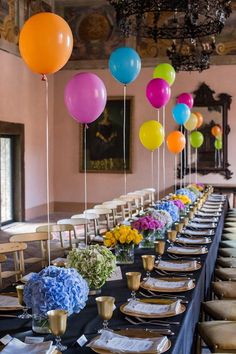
(122, 235)
(200, 187)
(184, 199)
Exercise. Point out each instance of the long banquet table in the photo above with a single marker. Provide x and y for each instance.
(87, 321)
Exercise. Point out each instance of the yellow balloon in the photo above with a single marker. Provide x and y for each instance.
(192, 122)
(151, 134)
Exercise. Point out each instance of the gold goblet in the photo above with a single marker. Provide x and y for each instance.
(20, 293)
(171, 234)
(179, 226)
(105, 306)
(160, 248)
(148, 263)
(133, 282)
(57, 324)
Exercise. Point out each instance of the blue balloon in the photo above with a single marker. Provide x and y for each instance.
(181, 113)
(125, 65)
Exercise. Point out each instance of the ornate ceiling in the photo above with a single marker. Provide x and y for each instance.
(96, 35)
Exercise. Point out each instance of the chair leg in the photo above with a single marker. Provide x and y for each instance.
(0, 276)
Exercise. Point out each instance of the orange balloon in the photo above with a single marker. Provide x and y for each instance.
(199, 119)
(216, 130)
(46, 43)
(176, 142)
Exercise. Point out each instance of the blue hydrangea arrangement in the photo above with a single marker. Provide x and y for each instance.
(172, 209)
(186, 191)
(56, 288)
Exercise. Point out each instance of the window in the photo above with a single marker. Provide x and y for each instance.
(6, 180)
(12, 172)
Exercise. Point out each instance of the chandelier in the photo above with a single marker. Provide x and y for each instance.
(179, 20)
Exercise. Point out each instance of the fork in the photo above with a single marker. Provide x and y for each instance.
(160, 321)
(184, 257)
(164, 295)
(153, 323)
(152, 295)
(171, 274)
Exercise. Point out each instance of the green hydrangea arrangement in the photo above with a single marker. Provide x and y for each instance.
(95, 263)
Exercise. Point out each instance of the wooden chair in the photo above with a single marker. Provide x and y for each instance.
(40, 237)
(60, 229)
(76, 222)
(17, 250)
(92, 222)
(3, 258)
(104, 214)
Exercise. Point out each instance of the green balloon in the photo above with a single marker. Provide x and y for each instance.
(218, 144)
(166, 72)
(196, 139)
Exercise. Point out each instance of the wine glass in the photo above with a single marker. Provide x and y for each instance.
(20, 293)
(105, 306)
(171, 234)
(133, 282)
(148, 263)
(160, 248)
(57, 324)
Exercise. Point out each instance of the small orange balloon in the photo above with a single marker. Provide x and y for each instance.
(176, 142)
(46, 43)
(216, 130)
(199, 119)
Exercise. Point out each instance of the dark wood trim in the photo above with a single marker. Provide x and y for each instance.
(17, 131)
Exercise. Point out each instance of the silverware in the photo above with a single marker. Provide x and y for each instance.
(184, 257)
(162, 295)
(153, 323)
(160, 321)
(163, 331)
(173, 274)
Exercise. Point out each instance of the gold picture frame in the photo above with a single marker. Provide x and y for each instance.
(104, 139)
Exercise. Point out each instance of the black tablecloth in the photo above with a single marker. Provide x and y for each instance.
(87, 321)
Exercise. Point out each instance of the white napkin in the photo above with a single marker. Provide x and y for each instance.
(152, 309)
(168, 284)
(208, 213)
(202, 225)
(9, 301)
(187, 250)
(118, 343)
(16, 346)
(202, 220)
(197, 232)
(194, 240)
(175, 265)
(26, 277)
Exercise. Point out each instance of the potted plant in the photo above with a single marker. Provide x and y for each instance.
(95, 263)
(54, 288)
(123, 238)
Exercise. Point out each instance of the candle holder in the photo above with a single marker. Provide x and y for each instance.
(172, 234)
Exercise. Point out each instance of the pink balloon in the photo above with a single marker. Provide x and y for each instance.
(85, 97)
(186, 98)
(158, 92)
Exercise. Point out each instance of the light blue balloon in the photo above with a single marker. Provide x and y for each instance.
(125, 65)
(181, 113)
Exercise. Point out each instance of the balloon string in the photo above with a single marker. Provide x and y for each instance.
(196, 157)
(44, 79)
(181, 163)
(175, 172)
(124, 142)
(158, 163)
(152, 167)
(185, 165)
(85, 178)
(189, 158)
(163, 152)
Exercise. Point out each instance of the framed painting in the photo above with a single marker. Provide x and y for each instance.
(104, 139)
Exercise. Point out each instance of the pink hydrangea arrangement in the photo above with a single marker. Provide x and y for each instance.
(148, 223)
